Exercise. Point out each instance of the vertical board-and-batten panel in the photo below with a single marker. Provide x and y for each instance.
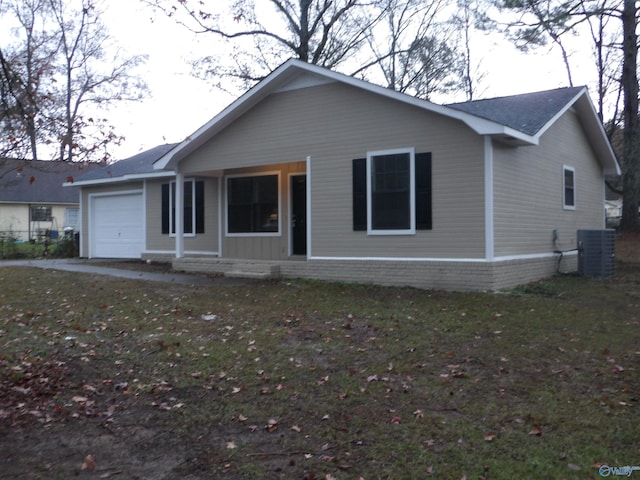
(336, 123)
(528, 185)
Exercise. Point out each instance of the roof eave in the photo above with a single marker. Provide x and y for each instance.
(290, 69)
(121, 179)
(595, 131)
(58, 203)
(241, 105)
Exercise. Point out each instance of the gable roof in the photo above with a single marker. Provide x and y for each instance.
(534, 113)
(37, 181)
(136, 167)
(528, 113)
(518, 120)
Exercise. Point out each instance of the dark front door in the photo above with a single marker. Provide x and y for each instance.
(299, 214)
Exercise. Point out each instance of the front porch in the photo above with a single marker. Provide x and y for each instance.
(239, 267)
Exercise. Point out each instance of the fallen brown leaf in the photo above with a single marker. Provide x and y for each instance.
(89, 463)
(536, 430)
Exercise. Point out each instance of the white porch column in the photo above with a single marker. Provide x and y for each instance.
(179, 206)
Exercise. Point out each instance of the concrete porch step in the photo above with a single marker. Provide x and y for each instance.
(261, 271)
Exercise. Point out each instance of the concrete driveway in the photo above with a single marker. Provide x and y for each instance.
(94, 267)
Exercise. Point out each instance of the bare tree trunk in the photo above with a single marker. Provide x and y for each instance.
(631, 137)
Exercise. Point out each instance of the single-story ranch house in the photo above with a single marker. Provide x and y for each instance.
(316, 174)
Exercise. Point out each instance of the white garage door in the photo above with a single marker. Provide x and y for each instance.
(117, 226)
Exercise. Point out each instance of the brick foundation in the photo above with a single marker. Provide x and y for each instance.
(433, 275)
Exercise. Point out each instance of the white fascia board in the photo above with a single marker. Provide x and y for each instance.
(289, 70)
(567, 106)
(123, 178)
(480, 125)
(221, 120)
(595, 130)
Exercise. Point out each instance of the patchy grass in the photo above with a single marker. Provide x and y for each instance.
(10, 249)
(103, 377)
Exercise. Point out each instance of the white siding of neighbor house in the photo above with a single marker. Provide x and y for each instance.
(333, 124)
(14, 219)
(528, 191)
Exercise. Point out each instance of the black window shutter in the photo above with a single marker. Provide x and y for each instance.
(165, 208)
(199, 206)
(360, 194)
(423, 191)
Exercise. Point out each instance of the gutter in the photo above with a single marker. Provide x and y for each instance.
(121, 179)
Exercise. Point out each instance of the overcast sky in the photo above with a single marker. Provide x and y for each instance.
(178, 103)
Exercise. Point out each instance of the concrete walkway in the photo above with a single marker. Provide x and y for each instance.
(94, 267)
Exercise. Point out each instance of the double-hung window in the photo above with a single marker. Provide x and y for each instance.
(392, 192)
(390, 177)
(193, 204)
(569, 187)
(253, 205)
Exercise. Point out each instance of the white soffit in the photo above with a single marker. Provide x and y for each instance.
(304, 81)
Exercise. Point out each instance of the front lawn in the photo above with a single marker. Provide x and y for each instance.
(111, 378)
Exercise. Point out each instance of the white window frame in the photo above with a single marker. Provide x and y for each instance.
(226, 205)
(567, 168)
(72, 218)
(412, 191)
(172, 228)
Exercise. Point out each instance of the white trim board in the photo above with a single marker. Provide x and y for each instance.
(508, 258)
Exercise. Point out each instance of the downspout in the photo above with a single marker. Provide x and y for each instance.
(179, 205)
(488, 200)
(220, 212)
(309, 254)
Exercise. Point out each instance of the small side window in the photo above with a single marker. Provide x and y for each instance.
(569, 187)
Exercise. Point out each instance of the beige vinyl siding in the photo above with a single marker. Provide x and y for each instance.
(528, 186)
(84, 207)
(263, 247)
(336, 123)
(206, 242)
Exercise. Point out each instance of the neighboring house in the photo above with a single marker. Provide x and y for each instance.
(613, 210)
(33, 202)
(315, 174)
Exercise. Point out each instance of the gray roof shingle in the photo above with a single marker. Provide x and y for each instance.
(138, 164)
(527, 113)
(37, 181)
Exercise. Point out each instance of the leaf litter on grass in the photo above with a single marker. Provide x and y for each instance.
(305, 379)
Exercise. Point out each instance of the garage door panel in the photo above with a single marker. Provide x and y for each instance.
(117, 226)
